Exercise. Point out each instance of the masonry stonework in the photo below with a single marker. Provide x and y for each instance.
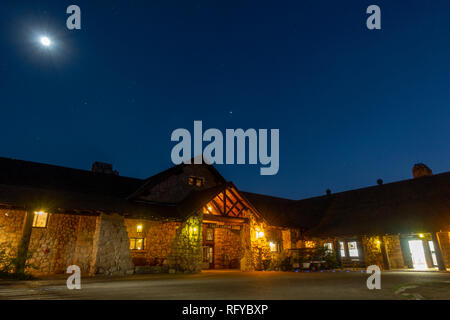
(444, 240)
(394, 251)
(158, 237)
(111, 249)
(11, 226)
(186, 249)
(227, 248)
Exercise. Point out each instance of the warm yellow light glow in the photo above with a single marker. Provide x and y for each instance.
(139, 228)
(378, 242)
(209, 208)
(272, 246)
(261, 234)
(195, 229)
(40, 219)
(421, 235)
(309, 244)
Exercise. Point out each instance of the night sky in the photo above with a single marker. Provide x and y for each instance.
(352, 105)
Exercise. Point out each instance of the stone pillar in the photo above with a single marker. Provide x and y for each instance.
(22, 251)
(246, 263)
(337, 251)
(386, 262)
(111, 247)
(438, 250)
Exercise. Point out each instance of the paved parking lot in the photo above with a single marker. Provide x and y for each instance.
(239, 285)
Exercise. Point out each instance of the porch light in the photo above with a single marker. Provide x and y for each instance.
(259, 234)
(193, 229)
(421, 235)
(139, 228)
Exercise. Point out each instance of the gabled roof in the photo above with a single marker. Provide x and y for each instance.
(197, 199)
(159, 177)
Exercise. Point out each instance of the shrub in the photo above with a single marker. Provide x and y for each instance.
(8, 265)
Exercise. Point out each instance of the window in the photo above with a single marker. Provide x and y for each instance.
(329, 247)
(274, 247)
(209, 234)
(137, 243)
(40, 219)
(196, 181)
(352, 249)
(342, 247)
(433, 253)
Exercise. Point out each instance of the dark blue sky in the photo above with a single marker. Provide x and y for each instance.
(352, 105)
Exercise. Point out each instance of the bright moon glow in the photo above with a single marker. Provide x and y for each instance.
(45, 41)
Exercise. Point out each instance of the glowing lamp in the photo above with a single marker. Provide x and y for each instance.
(421, 235)
(139, 228)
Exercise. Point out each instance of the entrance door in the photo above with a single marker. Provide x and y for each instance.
(208, 257)
(417, 254)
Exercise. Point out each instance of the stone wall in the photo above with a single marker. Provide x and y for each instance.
(246, 263)
(394, 251)
(372, 251)
(96, 244)
(444, 239)
(158, 237)
(85, 242)
(186, 249)
(227, 248)
(52, 248)
(11, 226)
(111, 250)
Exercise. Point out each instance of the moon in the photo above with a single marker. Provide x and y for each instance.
(45, 41)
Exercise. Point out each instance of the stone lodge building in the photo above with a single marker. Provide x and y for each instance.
(189, 218)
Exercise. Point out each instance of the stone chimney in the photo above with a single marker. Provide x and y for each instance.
(106, 168)
(421, 170)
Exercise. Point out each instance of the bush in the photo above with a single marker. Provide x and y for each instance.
(8, 265)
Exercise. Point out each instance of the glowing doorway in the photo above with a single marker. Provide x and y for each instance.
(418, 254)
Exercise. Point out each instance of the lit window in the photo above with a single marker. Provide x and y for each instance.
(137, 243)
(329, 247)
(274, 247)
(40, 219)
(342, 247)
(209, 234)
(352, 249)
(196, 181)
